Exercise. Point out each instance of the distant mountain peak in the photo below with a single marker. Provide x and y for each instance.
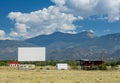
(66, 46)
(57, 33)
(88, 34)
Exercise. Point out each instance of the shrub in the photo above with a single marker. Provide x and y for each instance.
(102, 67)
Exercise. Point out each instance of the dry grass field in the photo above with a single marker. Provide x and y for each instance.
(8, 75)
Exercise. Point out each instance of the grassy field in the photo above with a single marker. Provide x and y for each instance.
(8, 75)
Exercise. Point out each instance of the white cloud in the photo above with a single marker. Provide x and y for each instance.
(87, 8)
(59, 2)
(41, 22)
(13, 34)
(61, 16)
(3, 35)
(109, 7)
(21, 28)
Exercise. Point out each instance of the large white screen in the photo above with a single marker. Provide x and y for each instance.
(31, 53)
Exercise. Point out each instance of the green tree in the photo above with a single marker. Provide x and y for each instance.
(3, 63)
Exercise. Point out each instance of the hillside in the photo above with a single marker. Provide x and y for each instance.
(76, 46)
(61, 38)
(8, 48)
(64, 46)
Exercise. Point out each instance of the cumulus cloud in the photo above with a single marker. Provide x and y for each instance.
(61, 16)
(111, 8)
(59, 2)
(3, 35)
(40, 22)
(86, 8)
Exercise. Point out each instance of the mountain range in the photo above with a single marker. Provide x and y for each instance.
(65, 46)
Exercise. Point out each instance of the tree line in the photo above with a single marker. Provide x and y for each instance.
(74, 64)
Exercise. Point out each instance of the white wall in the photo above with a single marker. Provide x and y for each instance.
(31, 53)
(61, 66)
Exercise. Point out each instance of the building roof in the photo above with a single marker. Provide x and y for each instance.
(13, 62)
(91, 60)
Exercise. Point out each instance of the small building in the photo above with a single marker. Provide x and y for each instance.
(117, 67)
(62, 66)
(26, 67)
(92, 64)
(13, 64)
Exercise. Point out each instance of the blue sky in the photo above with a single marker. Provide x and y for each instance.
(7, 6)
(22, 19)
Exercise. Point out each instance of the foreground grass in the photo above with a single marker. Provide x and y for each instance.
(8, 75)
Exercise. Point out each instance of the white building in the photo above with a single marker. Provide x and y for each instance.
(62, 66)
(26, 66)
(13, 64)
